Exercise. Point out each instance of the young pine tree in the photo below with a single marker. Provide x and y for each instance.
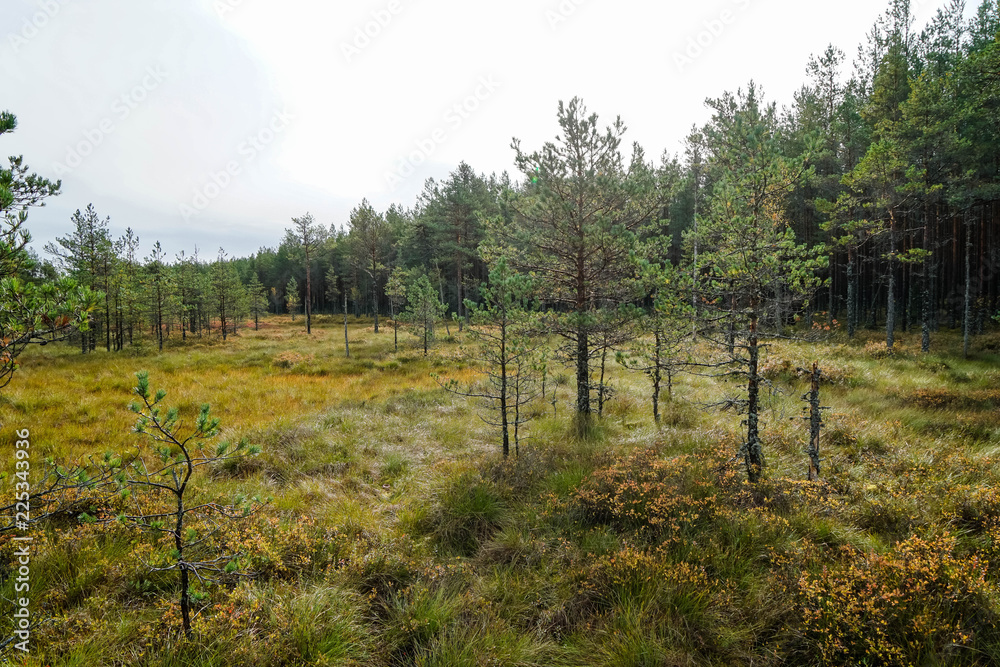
(750, 257)
(191, 527)
(292, 300)
(577, 226)
(424, 309)
(307, 238)
(504, 352)
(658, 354)
(256, 299)
(395, 290)
(226, 292)
(160, 292)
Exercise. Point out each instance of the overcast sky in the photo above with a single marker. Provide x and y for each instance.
(212, 122)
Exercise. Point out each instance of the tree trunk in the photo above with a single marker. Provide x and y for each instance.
(458, 285)
(779, 320)
(694, 267)
(731, 336)
(967, 318)
(582, 348)
(375, 291)
(656, 377)
(503, 390)
(600, 386)
(517, 417)
(159, 323)
(308, 296)
(815, 423)
(347, 343)
(852, 293)
(395, 326)
(107, 319)
(890, 310)
(185, 583)
(185, 602)
(754, 455)
(582, 376)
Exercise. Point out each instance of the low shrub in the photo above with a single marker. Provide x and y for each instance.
(661, 499)
(918, 604)
(950, 398)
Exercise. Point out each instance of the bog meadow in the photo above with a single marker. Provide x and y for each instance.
(739, 406)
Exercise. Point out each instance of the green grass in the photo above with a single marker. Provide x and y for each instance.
(396, 535)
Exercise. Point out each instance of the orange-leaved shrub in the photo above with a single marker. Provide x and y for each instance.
(273, 549)
(663, 499)
(921, 603)
(980, 399)
(631, 573)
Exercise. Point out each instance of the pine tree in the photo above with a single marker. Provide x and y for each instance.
(190, 290)
(577, 228)
(667, 324)
(369, 236)
(308, 237)
(130, 284)
(225, 292)
(30, 311)
(504, 353)
(424, 309)
(256, 299)
(87, 255)
(454, 210)
(189, 525)
(749, 248)
(160, 291)
(395, 290)
(292, 299)
(877, 183)
(332, 286)
(929, 136)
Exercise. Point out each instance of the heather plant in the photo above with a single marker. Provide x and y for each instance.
(661, 499)
(920, 603)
